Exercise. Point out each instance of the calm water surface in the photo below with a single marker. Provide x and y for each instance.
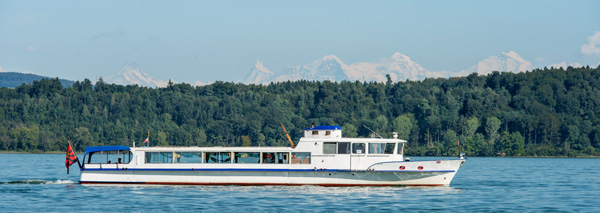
(38, 182)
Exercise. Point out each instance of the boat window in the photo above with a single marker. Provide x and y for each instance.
(283, 157)
(329, 147)
(376, 148)
(315, 132)
(336, 148)
(275, 157)
(159, 157)
(110, 157)
(358, 148)
(300, 157)
(327, 132)
(188, 157)
(212, 157)
(218, 157)
(94, 157)
(400, 148)
(225, 157)
(121, 156)
(389, 148)
(246, 157)
(343, 148)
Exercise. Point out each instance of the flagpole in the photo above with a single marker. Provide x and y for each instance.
(71, 156)
(78, 163)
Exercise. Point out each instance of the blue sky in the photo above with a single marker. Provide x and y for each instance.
(221, 40)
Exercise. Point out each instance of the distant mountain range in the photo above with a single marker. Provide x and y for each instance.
(15, 79)
(399, 66)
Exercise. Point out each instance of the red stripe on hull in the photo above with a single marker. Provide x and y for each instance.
(257, 184)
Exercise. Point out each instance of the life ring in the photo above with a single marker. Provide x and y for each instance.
(420, 168)
(402, 168)
(439, 161)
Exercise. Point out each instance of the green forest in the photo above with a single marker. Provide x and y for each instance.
(14, 79)
(544, 112)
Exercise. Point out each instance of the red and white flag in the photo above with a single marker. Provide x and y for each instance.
(147, 138)
(71, 157)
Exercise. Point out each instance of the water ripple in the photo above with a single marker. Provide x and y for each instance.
(482, 185)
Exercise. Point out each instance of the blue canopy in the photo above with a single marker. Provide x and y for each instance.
(325, 128)
(105, 148)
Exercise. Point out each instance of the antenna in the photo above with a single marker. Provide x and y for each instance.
(373, 131)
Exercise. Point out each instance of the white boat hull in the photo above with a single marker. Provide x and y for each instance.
(322, 157)
(412, 173)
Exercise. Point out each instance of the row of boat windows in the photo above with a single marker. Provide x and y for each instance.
(359, 148)
(229, 157)
(245, 157)
(105, 157)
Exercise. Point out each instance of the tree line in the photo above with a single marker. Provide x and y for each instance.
(544, 112)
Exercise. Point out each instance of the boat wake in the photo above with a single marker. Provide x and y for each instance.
(34, 182)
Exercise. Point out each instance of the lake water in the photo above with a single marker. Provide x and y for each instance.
(39, 183)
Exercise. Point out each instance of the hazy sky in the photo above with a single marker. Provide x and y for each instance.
(221, 40)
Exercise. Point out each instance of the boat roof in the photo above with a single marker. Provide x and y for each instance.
(325, 128)
(105, 148)
(216, 148)
(354, 140)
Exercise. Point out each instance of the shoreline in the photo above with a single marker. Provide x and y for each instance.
(19, 152)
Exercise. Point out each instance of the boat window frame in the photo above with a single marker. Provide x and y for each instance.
(219, 158)
(306, 156)
(104, 157)
(285, 156)
(375, 148)
(400, 148)
(160, 157)
(327, 146)
(393, 149)
(178, 155)
(236, 157)
(363, 149)
(348, 148)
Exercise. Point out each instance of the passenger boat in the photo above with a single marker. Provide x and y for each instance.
(322, 157)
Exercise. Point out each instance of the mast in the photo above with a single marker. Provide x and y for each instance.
(288, 136)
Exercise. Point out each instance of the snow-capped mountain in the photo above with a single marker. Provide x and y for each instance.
(200, 83)
(258, 74)
(564, 65)
(330, 67)
(399, 67)
(506, 62)
(132, 74)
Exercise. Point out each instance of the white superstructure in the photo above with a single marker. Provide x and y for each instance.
(322, 157)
